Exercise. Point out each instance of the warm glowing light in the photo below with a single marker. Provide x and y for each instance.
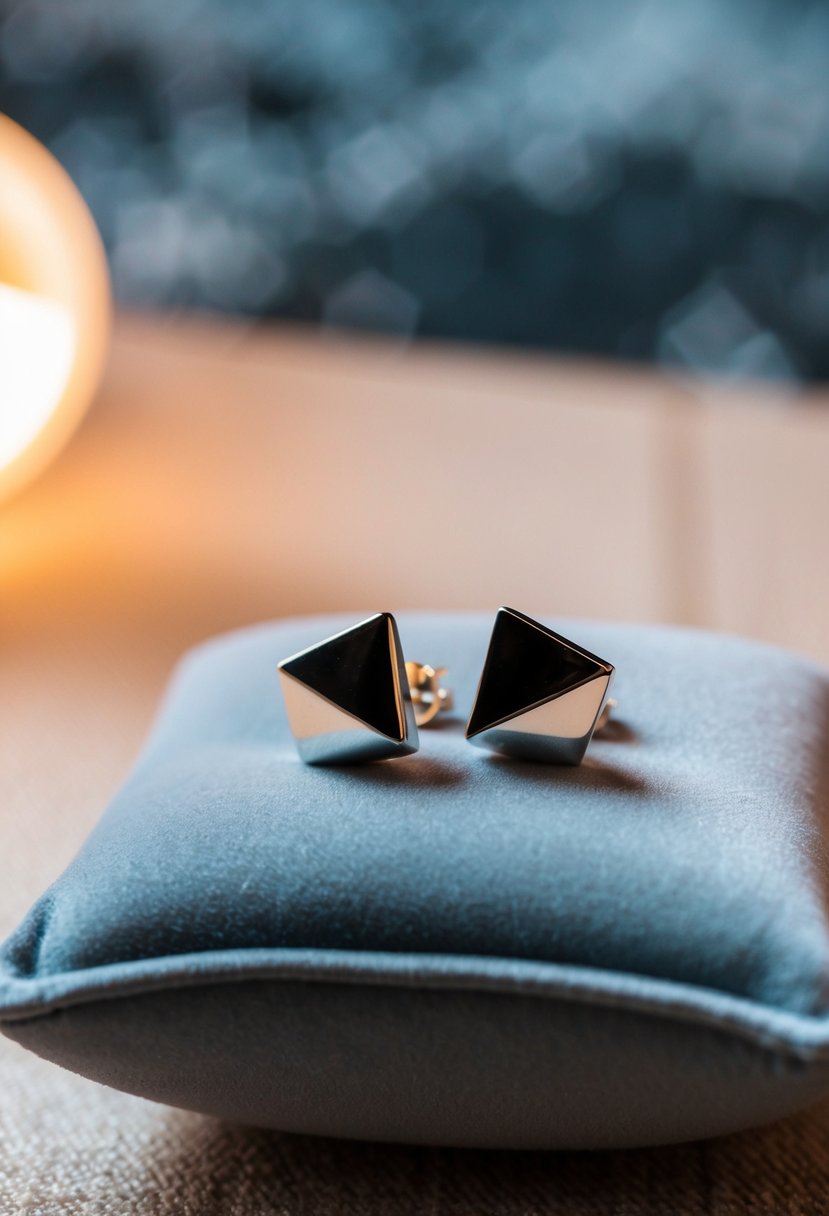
(54, 307)
(37, 346)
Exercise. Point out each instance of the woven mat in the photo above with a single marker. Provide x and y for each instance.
(69, 1146)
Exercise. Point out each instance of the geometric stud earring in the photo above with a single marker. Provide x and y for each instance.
(540, 696)
(348, 698)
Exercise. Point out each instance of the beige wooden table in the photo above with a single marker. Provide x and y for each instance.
(228, 475)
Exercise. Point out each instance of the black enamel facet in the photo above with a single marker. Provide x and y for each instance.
(358, 671)
(527, 664)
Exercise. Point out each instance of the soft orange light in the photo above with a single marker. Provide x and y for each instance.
(54, 307)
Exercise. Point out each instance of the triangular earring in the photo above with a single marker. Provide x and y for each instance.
(348, 698)
(540, 696)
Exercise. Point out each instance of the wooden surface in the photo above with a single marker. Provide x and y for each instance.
(229, 475)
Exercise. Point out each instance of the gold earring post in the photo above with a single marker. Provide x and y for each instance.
(429, 698)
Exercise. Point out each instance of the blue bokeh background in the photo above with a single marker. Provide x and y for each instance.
(627, 178)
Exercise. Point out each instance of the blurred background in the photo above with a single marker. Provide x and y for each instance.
(623, 178)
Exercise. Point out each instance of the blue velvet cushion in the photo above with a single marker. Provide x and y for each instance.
(456, 948)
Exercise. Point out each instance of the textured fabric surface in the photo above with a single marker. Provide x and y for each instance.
(72, 1148)
(675, 882)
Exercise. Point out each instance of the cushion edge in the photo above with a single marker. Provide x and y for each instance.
(781, 1032)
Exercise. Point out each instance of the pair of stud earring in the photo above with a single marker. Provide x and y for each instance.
(352, 698)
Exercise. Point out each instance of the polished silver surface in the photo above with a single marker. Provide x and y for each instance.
(347, 698)
(540, 696)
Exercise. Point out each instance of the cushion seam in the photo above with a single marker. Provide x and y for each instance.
(750, 1021)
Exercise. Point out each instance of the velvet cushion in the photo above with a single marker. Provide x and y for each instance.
(455, 947)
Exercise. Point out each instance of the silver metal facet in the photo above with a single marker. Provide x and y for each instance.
(540, 695)
(347, 698)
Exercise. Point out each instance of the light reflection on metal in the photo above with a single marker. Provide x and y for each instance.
(428, 696)
(540, 696)
(348, 698)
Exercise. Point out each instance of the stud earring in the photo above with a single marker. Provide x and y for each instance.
(348, 698)
(540, 697)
